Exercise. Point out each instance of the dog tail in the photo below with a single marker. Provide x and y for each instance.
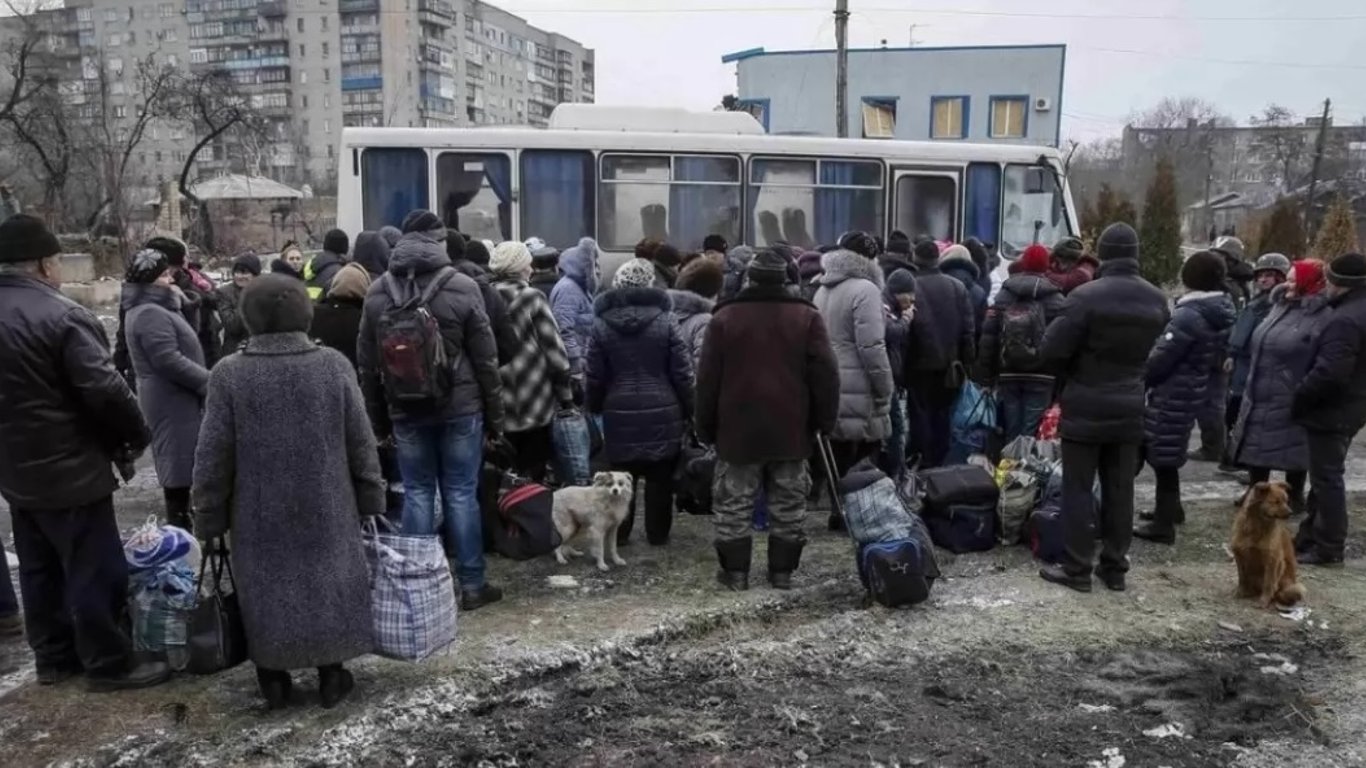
(1291, 595)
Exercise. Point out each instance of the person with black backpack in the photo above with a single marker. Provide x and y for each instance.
(1009, 360)
(429, 370)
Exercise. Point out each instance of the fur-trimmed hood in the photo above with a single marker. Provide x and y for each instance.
(686, 304)
(631, 310)
(841, 265)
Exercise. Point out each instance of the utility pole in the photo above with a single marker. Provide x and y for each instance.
(842, 68)
(1314, 175)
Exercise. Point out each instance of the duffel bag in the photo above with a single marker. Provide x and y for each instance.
(693, 478)
(1046, 534)
(526, 524)
(412, 594)
(965, 527)
(894, 572)
(876, 513)
(961, 484)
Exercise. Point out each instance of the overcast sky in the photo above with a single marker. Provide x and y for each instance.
(1239, 54)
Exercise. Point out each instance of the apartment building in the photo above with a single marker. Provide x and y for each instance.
(311, 67)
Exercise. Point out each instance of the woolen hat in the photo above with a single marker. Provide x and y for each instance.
(173, 247)
(769, 267)
(926, 254)
(901, 281)
(337, 242)
(26, 238)
(276, 304)
(1347, 271)
(247, 262)
(861, 243)
(146, 266)
(510, 258)
(667, 256)
(636, 273)
(424, 221)
(455, 245)
(715, 243)
(1069, 250)
(703, 277)
(1308, 276)
(899, 242)
(1034, 260)
(1118, 241)
(476, 252)
(1204, 271)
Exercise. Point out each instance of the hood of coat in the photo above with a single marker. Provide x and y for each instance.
(326, 259)
(418, 253)
(137, 294)
(844, 265)
(580, 264)
(1030, 286)
(372, 252)
(1214, 306)
(630, 310)
(686, 304)
(957, 261)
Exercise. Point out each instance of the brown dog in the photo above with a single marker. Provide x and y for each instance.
(1263, 549)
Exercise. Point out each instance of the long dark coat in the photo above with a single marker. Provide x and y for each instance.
(1178, 373)
(1280, 352)
(287, 464)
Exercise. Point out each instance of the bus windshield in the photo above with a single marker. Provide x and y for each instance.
(1033, 209)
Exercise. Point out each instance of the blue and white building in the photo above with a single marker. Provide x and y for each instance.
(978, 93)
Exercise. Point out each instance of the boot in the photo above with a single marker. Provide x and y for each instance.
(1316, 556)
(142, 676)
(734, 556)
(1056, 574)
(276, 687)
(474, 599)
(784, 555)
(334, 682)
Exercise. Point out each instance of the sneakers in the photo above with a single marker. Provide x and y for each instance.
(1155, 532)
(145, 675)
(12, 625)
(1055, 574)
(474, 599)
(335, 682)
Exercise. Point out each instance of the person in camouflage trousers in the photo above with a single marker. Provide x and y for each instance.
(767, 381)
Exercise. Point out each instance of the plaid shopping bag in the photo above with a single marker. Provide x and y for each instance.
(412, 594)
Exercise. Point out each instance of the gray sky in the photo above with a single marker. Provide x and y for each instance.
(652, 52)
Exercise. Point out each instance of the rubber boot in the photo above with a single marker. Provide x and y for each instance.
(734, 556)
(334, 683)
(276, 687)
(784, 555)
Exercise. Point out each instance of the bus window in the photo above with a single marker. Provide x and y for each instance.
(704, 199)
(925, 205)
(678, 198)
(475, 194)
(393, 182)
(982, 208)
(1033, 209)
(557, 196)
(807, 203)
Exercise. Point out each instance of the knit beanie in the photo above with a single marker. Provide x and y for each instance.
(247, 262)
(1347, 271)
(703, 277)
(477, 253)
(901, 282)
(351, 282)
(337, 242)
(172, 246)
(1309, 278)
(455, 245)
(424, 221)
(26, 238)
(1069, 250)
(715, 243)
(636, 273)
(809, 265)
(1033, 261)
(1204, 271)
(391, 234)
(769, 267)
(146, 266)
(899, 243)
(926, 255)
(510, 258)
(276, 304)
(645, 249)
(1118, 241)
(861, 243)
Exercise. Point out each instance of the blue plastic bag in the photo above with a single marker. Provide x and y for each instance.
(973, 423)
(573, 447)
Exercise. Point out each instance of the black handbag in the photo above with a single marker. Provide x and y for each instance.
(217, 639)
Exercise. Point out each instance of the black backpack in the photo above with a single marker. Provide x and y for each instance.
(1022, 328)
(414, 364)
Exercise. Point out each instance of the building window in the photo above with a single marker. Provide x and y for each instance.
(327, 74)
(302, 50)
(949, 118)
(879, 118)
(325, 50)
(327, 101)
(324, 22)
(171, 60)
(111, 16)
(120, 111)
(303, 77)
(167, 10)
(199, 55)
(757, 108)
(114, 40)
(301, 23)
(1009, 119)
(169, 36)
(304, 98)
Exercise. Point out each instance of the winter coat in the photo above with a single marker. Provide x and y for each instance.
(459, 311)
(200, 309)
(898, 338)
(1240, 275)
(1019, 289)
(536, 379)
(172, 378)
(1070, 278)
(692, 313)
(189, 309)
(965, 272)
(1099, 348)
(767, 380)
(494, 307)
(544, 280)
(572, 304)
(228, 299)
(1332, 396)
(639, 375)
(1250, 318)
(1178, 373)
(287, 463)
(737, 262)
(1279, 355)
(943, 329)
(319, 271)
(336, 324)
(64, 410)
(850, 302)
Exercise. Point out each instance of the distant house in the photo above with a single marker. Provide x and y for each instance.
(977, 93)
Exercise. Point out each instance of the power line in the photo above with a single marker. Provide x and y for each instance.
(1237, 62)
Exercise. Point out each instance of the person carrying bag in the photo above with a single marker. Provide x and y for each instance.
(217, 638)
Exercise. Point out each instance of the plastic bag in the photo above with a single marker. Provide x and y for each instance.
(153, 545)
(573, 446)
(973, 423)
(1048, 426)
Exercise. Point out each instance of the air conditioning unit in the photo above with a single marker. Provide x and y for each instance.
(1043, 104)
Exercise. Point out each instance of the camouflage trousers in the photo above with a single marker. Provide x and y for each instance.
(736, 486)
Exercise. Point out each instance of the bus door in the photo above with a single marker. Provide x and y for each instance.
(925, 201)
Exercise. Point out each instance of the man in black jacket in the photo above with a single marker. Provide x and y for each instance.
(1330, 403)
(66, 417)
(494, 306)
(942, 347)
(1099, 348)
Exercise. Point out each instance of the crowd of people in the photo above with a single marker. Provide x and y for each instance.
(281, 407)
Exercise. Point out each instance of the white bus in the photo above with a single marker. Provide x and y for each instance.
(620, 175)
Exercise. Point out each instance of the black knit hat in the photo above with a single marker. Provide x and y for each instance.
(455, 245)
(422, 221)
(899, 242)
(715, 243)
(861, 243)
(1118, 241)
(477, 253)
(768, 268)
(276, 304)
(1347, 271)
(901, 282)
(171, 246)
(26, 238)
(146, 266)
(247, 262)
(337, 242)
(1204, 271)
(926, 254)
(1069, 250)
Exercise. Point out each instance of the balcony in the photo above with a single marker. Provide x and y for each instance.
(357, 6)
(256, 63)
(272, 10)
(360, 57)
(435, 12)
(362, 83)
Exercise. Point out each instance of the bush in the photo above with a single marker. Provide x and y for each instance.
(1160, 234)
(1338, 235)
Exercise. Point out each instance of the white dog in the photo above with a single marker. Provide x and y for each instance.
(596, 510)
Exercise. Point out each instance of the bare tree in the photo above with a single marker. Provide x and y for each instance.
(1282, 144)
(41, 127)
(21, 78)
(1173, 112)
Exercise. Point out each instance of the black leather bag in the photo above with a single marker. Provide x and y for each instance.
(217, 639)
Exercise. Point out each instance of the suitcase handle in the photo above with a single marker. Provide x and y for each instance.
(832, 480)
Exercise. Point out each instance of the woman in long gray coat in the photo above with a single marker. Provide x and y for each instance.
(1265, 437)
(169, 364)
(850, 300)
(287, 463)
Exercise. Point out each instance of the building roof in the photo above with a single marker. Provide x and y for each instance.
(235, 186)
(756, 52)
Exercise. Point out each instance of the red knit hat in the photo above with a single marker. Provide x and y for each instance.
(1309, 278)
(1034, 260)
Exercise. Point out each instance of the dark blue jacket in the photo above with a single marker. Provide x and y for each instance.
(639, 376)
(943, 330)
(1240, 341)
(1332, 396)
(1178, 373)
(965, 272)
(898, 337)
(1020, 289)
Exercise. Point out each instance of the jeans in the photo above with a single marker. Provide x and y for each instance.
(9, 604)
(1115, 462)
(1022, 403)
(1326, 525)
(893, 459)
(445, 456)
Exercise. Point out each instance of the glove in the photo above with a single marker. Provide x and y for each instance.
(125, 461)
